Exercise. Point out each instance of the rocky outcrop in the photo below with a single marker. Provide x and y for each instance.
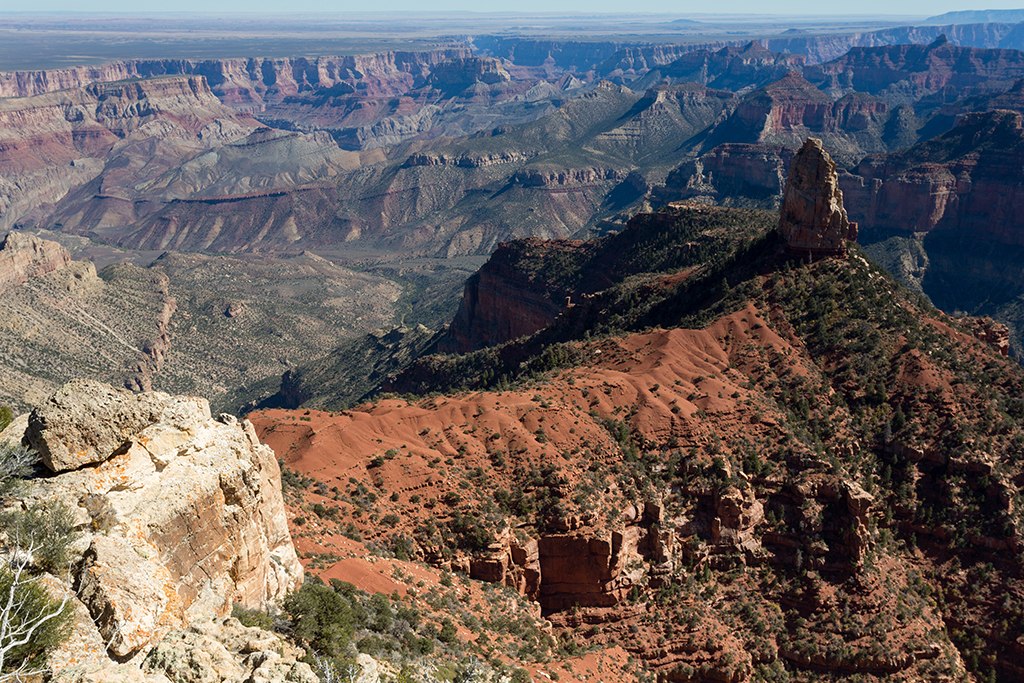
(988, 330)
(812, 218)
(182, 515)
(209, 650)
(792, 105)
(224, 650)
(785, 104)
(25, 256)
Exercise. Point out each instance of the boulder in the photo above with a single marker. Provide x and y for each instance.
(86, 421)
(812, 218)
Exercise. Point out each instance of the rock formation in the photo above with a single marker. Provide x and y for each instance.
(500, 304)
(24, 256)
(456, 75)
(812, 219)
(739, 69)
(786, 111)
(182, 513)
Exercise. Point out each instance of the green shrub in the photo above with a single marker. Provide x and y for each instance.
(47, 528)
(381, 607)
(322, 616)
(16, 463)
(33, 617)
(253, 617)
(448, 634)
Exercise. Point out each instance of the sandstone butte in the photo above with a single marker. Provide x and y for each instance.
(182, 516)
(812, 219)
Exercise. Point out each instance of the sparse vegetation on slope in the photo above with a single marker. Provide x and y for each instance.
(809, 470)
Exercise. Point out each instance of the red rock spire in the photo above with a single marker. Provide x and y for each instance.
(812, 219)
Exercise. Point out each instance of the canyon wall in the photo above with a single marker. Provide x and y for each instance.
(247, 84)
(902, 74)
(965, 181)
(55, 142)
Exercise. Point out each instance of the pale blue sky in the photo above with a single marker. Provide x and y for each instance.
(800, 7)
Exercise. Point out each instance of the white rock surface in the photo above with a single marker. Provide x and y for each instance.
(183, 521)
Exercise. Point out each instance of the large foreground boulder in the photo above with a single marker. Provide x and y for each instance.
(86, 421)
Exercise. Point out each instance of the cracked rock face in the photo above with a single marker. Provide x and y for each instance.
(812, 218)
(182, 513)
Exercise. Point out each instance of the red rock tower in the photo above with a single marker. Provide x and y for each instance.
(812, 219)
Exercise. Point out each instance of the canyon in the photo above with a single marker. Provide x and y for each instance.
(662, 424)
(438, 157)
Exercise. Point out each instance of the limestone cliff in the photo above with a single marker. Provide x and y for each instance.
(182, 514)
